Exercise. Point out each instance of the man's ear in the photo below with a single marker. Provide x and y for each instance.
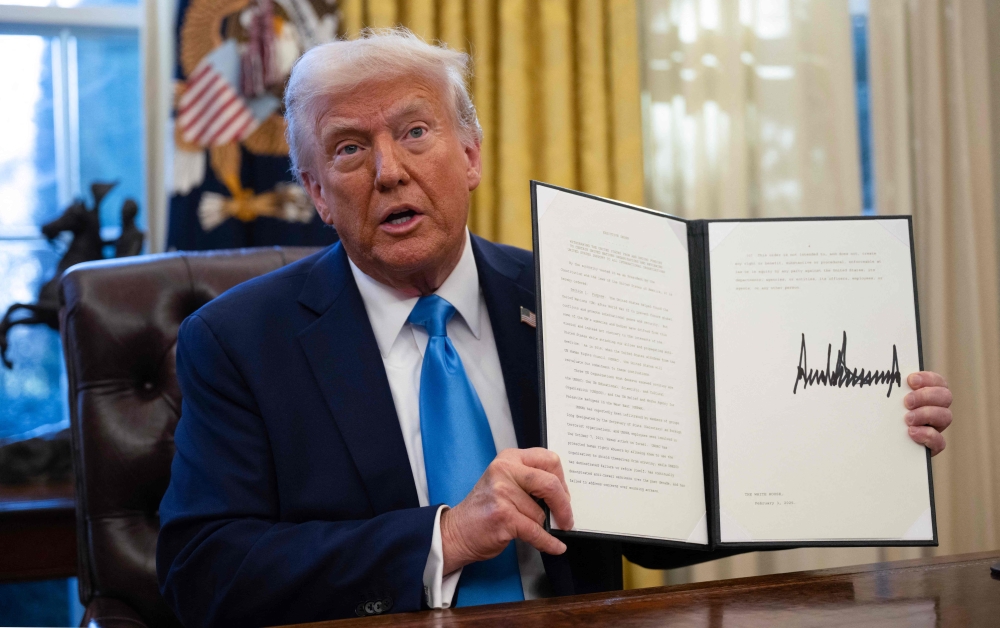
(474, 172)
(315, 191)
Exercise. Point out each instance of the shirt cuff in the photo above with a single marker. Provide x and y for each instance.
(439, 589)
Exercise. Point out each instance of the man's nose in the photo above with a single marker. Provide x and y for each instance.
(390, 170)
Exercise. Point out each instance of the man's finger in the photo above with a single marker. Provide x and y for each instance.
(928, 437)
(527, 506)
(923, 379)
(548, 487)
(541, 458)
(934, 416)
(933, 396)
(533, 534)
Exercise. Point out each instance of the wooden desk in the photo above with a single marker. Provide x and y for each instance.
(943, 592)
(37, 532)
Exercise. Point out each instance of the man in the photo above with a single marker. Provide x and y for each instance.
(335, 409)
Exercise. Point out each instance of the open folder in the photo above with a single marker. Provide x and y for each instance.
(730, 383)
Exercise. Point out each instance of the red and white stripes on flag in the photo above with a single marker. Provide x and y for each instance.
(528, 317)
(211, 112)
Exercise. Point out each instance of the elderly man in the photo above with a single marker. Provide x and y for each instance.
(337, 451)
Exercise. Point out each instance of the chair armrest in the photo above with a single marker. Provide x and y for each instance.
(107, 612)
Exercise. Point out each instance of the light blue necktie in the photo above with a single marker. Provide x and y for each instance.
(458, 446)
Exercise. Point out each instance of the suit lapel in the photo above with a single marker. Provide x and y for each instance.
(345, 360)
(498, 277)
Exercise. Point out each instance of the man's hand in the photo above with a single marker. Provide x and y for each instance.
(928, 405)
(500, 508)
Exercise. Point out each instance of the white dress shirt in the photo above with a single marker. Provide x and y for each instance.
(402, 347)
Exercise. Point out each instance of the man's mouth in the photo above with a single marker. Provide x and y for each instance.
(400, 217)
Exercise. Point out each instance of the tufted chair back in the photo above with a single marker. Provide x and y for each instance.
(119, 321)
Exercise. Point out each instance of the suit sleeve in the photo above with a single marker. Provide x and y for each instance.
(225, 558)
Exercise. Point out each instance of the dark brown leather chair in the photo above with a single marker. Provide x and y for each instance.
(119, 321)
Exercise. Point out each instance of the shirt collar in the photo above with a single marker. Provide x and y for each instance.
(389, 308)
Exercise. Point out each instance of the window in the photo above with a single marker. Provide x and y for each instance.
(859, 33)
(71, 114)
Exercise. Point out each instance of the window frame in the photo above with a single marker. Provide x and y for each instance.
(153, 21)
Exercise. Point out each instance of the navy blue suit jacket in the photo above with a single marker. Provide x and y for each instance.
(291, 497)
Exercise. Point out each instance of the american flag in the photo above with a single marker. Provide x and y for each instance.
(211, 112)
(528, 317)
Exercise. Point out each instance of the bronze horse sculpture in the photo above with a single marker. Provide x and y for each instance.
(86, 245)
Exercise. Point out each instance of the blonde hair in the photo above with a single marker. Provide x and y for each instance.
(378, 53)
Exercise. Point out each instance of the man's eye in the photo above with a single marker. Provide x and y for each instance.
(350, 149)
(417, 132)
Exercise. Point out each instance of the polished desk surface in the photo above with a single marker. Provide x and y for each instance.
(943, 592)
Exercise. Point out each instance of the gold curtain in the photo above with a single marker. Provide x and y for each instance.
(935, 76)
(556, 85)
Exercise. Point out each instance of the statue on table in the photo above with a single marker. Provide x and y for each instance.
(130, 241)
(85, 246)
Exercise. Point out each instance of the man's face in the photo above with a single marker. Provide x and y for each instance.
(392, 175)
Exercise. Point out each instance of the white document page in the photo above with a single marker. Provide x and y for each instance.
(814, 334)
(621, 395)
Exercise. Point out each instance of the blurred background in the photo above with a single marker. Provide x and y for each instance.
(699, 108)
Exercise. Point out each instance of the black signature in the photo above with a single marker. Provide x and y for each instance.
(842, 375)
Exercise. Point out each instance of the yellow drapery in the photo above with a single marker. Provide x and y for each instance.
(556, 86)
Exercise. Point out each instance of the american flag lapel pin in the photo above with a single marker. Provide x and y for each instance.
(528, 317)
